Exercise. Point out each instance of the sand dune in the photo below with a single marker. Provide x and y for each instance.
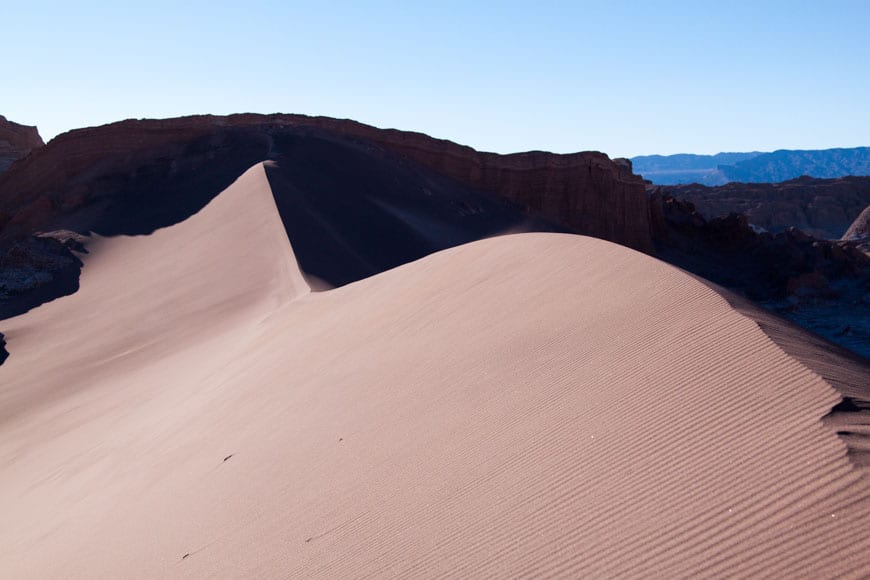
(535, 405)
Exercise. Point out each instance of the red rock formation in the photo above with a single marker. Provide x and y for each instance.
(16, 141)
(587, 191)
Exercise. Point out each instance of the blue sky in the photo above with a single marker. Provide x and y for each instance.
(626, 78)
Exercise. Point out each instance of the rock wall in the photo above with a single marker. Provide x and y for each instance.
(586, 191)
(823, 208)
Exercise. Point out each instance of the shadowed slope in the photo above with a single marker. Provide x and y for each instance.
(352, 210)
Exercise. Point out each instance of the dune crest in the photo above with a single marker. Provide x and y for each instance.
(141, 297)
(526, 405)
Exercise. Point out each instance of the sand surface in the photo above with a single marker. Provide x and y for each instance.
(526, 405)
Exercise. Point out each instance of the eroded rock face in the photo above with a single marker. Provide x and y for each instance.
(823, 208)
(16, 141)
(586, 191)
(765, 266)
(103, 179)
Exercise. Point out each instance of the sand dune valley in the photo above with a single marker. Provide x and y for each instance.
(292, 347)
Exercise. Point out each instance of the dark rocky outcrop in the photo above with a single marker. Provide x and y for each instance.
(766, 266)
(16, 141)
(823, 208)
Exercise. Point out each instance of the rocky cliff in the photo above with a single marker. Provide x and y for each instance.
(823, 208)
(586, 191)
(82, 168)
(16, 141)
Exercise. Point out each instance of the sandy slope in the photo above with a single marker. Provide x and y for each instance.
(537, 404)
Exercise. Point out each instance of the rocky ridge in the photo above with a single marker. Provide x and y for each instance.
(16, 141)
(823, 208)
(586, 191)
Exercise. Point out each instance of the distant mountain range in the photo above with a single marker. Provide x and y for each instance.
(753, 167)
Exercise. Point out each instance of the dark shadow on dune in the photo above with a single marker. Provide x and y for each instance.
(850, 405)
(4, 354)
(352, 210)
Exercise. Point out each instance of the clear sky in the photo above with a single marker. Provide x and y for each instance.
(623, 77)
